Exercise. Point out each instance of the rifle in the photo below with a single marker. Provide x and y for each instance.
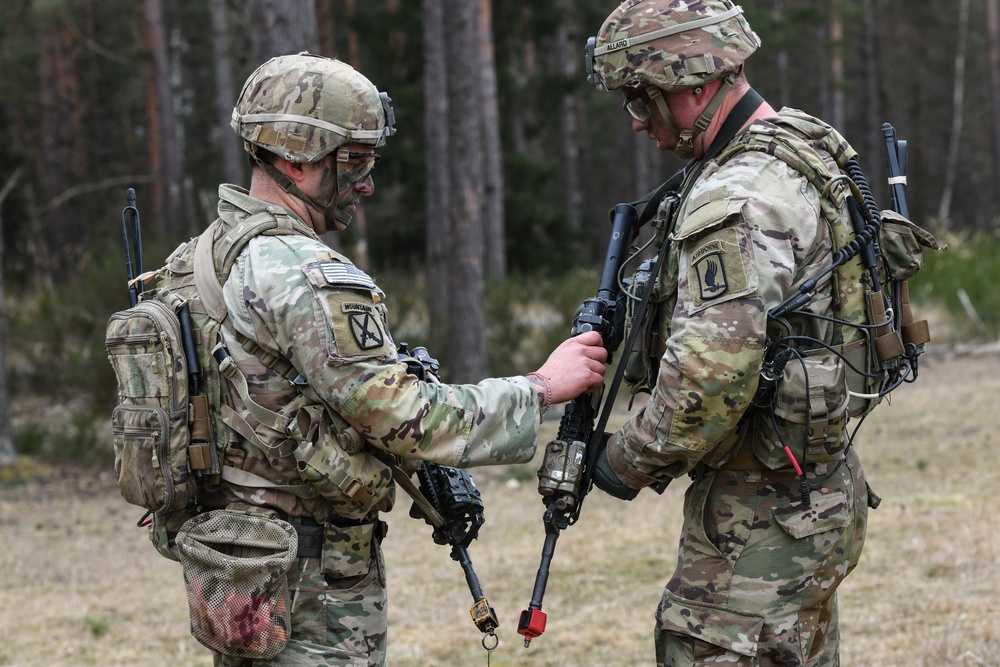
(455, 509)
(566, 475)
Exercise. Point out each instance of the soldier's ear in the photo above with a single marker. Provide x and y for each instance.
(296, 171)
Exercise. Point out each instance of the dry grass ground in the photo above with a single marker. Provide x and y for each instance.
(80, 585)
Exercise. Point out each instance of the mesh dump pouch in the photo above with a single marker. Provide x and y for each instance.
(235, 568)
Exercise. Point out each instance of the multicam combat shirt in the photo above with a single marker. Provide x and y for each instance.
(749, 232)
(296, 298)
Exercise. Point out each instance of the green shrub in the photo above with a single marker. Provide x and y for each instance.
(968, 265)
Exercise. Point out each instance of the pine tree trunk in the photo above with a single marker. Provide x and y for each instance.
(282, 28)
(324, 28)
(467, 345)
(170, 197)
(60, 131)
(781, 57)
(872, 158)
(957, 111)
(225, 94)
(993, 35)
(569, 158)
(493, 212)
(436, 166)
(836, 66)
(7, 448)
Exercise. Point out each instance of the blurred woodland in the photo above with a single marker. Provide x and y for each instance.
(490, 99)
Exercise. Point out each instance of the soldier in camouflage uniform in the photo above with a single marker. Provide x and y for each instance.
(763, 548)
(308, 343)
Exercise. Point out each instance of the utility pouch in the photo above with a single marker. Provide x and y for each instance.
(642, 364)
(235, 566)
(150, 424)
(809, 413)
(901, 243)
(353, 482)
(347, 551)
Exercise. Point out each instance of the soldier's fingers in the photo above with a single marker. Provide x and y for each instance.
(588, 338)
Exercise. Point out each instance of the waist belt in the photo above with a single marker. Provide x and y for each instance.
(311, 532)
(744, 460)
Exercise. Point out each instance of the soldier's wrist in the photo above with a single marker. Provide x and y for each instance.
(543, 389)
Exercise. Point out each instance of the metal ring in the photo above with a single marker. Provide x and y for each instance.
(496, 640)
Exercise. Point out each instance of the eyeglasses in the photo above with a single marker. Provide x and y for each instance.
(637, 104)
(357, 166)
(374, 157)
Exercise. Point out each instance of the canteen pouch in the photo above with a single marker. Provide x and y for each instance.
(235, 572)
(808, 412)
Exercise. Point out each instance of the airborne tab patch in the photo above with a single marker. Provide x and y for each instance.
(717, 271)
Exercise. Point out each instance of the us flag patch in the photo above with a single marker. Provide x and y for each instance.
(339, 273)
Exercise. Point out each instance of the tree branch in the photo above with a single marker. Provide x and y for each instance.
(84, 188)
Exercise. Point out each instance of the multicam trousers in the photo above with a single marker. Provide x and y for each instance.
(757, 571)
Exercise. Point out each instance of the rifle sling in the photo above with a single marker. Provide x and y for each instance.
(404, 481)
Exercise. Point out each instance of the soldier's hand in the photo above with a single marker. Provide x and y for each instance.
(575, 367)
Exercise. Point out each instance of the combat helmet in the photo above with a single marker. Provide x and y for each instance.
(670, 46)
(303, 107)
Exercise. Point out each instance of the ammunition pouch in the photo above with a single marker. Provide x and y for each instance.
(806, 411)
(349, 477)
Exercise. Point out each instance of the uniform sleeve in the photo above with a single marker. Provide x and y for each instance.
(737, 256)
(292, 297)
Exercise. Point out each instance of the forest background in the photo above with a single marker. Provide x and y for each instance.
(490, 99)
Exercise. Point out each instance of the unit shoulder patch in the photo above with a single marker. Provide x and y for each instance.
(363, 320)
(720, 268)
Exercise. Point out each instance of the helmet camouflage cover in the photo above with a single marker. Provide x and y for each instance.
(670, 44)
(302, 107)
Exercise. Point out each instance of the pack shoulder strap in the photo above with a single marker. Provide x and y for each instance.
(229, 245)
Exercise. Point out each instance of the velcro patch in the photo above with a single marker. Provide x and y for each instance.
(363, 321)
(343, 274)
(717, 271)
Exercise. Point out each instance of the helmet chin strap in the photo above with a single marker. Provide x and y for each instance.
(325, 210)
(684, 148)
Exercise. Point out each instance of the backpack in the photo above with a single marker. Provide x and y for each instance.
(875, 331)
(168, 429)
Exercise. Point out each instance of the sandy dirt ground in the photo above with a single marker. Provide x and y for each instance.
(81, 585)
